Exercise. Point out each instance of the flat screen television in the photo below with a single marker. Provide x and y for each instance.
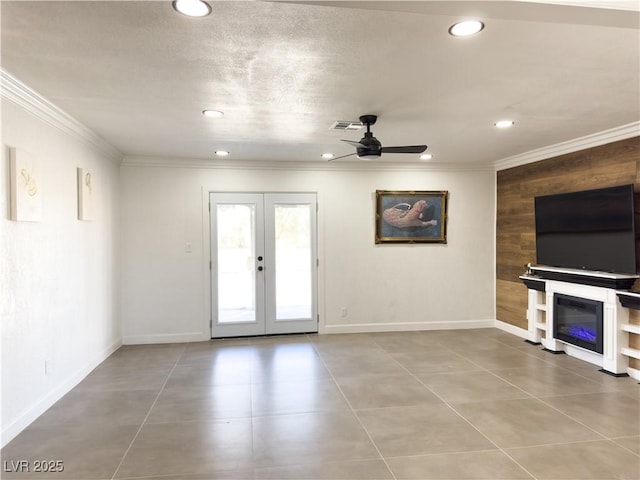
(590, 230)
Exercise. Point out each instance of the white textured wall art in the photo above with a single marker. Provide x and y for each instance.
(85, 194)
(26, 187)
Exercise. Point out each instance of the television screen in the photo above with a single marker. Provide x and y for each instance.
(591, 230)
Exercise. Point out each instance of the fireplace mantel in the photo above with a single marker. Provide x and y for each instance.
(616, 281)
(614, 359)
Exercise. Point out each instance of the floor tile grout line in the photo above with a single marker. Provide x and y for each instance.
(468, 422)
(252, 416)
(613, 439)
(392, 353)
(575, 372)
(604, 437)
(588, 379)
(355, 414)
(599, 390)
(541, 400)
(455, 411)
(451, 407)
(147, 477)
(144, 421)
(438, 454)
(538, 398)
(557, 444)
(335, 383)
(530, 396)
(535, 397)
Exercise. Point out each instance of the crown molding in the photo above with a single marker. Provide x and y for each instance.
(361, 166)
(31, 101)
(601, 138)
(626, 5)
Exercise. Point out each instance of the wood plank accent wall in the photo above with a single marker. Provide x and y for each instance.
(608, 165)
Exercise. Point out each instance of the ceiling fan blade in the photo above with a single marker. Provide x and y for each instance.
(343, 156)
(405, 149)
(351, 142)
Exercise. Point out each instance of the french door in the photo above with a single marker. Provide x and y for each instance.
(263, 263)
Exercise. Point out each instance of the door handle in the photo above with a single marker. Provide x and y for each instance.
(260, 268)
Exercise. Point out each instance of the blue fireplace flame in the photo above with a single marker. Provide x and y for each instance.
(583, 333)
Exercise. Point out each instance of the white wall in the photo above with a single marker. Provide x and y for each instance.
(166, 291)
(59, 278)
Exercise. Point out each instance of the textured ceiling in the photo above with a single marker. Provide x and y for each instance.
(139, 74)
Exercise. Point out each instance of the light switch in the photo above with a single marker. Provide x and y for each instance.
(188, 248)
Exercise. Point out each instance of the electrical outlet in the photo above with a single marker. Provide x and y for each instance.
(343, 312)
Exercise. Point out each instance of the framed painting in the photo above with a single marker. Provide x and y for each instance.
(411, 217)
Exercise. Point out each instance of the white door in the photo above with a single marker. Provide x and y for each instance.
(263, 263)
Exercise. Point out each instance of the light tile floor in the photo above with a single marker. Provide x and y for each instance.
(469, 404)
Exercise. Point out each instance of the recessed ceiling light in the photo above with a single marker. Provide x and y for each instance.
(466, 28)
(212, 113)
(426, 156)
(222, 153)
(327, 156)
(192, 8)
(504, 124)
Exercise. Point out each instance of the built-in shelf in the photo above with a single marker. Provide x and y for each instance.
(536, 311)
(631, 352)
(628, 327)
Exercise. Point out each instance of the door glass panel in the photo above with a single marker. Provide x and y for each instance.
(236, 263)
(293, 262)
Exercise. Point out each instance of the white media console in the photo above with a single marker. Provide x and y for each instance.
(610, 289)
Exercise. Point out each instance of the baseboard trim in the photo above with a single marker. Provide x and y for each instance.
(188, 337)
(512, 329)
(42, 405)
(634, 373)
(405, 326)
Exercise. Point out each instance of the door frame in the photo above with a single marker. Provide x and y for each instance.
(207, 314)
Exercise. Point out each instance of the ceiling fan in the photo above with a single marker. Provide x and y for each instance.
(369, 147)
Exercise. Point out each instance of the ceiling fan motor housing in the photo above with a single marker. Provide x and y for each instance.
(371, 147)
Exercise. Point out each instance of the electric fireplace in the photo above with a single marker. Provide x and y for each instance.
(578, 321)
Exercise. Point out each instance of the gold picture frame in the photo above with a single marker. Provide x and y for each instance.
(411, 216)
